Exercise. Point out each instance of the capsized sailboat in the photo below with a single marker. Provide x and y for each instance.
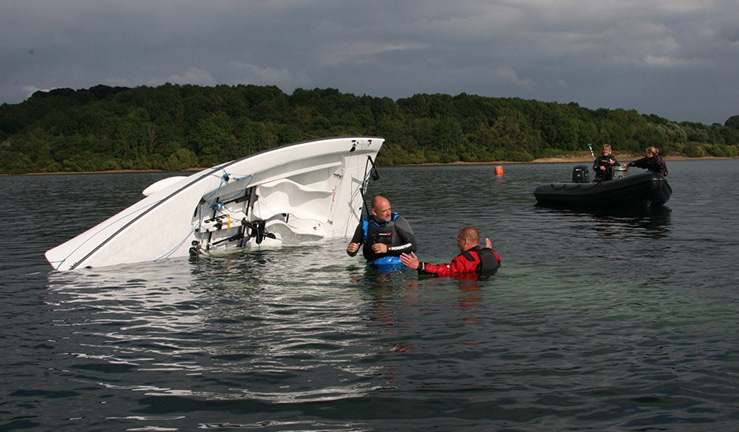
(303, 192)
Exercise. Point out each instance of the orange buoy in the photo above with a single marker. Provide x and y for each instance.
(499, 171)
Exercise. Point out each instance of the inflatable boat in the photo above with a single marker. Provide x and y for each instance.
(304, 192)
(642, 190)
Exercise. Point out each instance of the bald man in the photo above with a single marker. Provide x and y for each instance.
(471, 261)
(385, 235)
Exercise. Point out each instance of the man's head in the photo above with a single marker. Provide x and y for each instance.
(606, 149)
(381, 209)
(467, 238)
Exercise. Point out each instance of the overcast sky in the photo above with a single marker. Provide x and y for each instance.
(678, 59)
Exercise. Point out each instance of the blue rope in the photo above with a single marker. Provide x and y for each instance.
(218, 206)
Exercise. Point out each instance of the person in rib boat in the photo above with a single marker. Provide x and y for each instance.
(603, 164)
(653, 162)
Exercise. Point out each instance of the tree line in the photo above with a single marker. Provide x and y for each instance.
(175, 127)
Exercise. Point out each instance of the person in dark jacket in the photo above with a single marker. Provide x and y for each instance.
(603, 164)
(472, 260)
(653, 162)
(385, 235)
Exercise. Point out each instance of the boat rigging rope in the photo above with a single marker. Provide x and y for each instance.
(212, 204)
(372, 173)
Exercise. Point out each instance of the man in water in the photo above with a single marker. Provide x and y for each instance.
(472, 260)
(385, 236)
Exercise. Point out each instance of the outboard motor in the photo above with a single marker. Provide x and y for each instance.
(619, 172)
(580, 174)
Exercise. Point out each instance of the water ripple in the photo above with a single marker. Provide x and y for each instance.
(595, 321)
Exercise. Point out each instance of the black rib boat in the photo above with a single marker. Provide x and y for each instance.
(643, 190)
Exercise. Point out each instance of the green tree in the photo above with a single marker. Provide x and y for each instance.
(165, 127)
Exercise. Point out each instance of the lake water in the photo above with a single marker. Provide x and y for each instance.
(601, 322)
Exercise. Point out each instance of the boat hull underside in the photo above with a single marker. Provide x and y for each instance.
(299, 193)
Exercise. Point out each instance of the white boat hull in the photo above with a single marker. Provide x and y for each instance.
(303, 192)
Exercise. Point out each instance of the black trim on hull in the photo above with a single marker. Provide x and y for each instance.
(209, 172)
(648, 189)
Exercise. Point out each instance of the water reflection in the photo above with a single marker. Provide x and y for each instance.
(259, 325)
(650, 223)
(393, 299)
(135, 290)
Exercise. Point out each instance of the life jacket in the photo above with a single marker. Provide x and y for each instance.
(657, 164)
(489, 260)
(385, 233)
(604, 161)
(380, 233)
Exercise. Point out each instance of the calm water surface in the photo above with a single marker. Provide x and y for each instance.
(595, 321)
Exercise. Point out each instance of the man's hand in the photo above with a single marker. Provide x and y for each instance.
(379, 248)
(352, 248)
(409, 260)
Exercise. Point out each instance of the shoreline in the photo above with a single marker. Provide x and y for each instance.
(567, 159)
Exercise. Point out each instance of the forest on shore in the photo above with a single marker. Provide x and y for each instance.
(175, 127)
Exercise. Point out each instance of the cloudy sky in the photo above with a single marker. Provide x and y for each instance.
(678, 59)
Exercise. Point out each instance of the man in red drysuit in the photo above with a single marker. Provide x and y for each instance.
(472, 258)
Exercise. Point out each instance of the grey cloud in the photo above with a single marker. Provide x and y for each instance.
(677, 58)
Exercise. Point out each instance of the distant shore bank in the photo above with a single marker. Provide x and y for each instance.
(568, 159)
(563, 159)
